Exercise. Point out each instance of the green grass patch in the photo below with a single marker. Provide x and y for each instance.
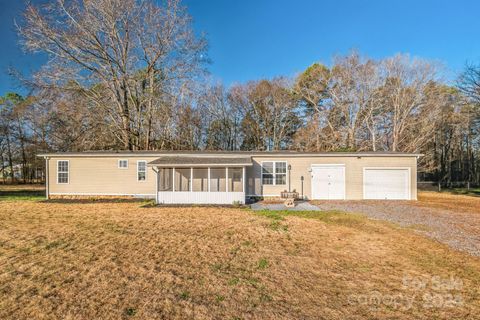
(278, 226)
(233, 281)
(184, 295)
(130, 312)
(263, 263)
(419, 227)
(464, 191)
(276, 218)
(54, 244)
(335, 217)
(22, 195)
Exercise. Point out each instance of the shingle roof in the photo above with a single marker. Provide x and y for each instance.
(195, 161)
(202, 153)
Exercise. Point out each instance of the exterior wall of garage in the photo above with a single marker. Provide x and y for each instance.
(300, 166)
(100, 175)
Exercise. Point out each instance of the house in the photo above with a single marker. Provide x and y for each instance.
(221, 177)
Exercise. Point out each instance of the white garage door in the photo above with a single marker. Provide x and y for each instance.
(392, 184)
(328, 182)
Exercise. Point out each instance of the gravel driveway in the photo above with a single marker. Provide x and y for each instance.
(458, 228)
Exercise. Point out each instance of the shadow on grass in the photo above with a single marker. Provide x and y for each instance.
(333, 217)
(463, 191)
(25, 194)
(95, 200)
(39, 196)
(152, 204)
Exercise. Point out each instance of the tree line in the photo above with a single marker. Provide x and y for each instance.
(133, 75)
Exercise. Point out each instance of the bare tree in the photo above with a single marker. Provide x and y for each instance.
(270, 116)
(6, 132)
(404, 99)
(341, 102)
(469, 82)
(222, 119)
(312, 89)
(353, 96)
(122, 54)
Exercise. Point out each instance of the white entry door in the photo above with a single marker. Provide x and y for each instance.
(328, 182)
(387, 184)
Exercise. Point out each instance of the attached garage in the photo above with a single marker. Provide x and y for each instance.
(386, 183)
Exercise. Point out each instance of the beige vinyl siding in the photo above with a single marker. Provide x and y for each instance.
(301, 167)
(102, 176)
(90, 175)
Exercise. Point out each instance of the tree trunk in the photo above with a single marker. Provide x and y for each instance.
(148, 134)
(2, 159)
(9, 155)
(22, 148)
(127, 132)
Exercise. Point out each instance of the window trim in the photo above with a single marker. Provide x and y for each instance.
(67, 172)
(118, 164)
(274, 167)
(138, 162)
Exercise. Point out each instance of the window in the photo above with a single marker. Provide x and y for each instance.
(141, 170)
(280, 173)
(267, 173)
(123, 164)
(274, 173)
(62, 171)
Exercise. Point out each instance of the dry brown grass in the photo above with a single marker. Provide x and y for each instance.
(122, 260)
(449, 201)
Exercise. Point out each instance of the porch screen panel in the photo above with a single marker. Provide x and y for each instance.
(165, 182)
(235, 179)
(218, 180)
(182, 179)
(200, 179)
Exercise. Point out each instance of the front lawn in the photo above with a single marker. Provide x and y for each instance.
(128, 261)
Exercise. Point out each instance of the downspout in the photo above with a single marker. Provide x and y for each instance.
(416, 178)
(244, 176)
(47, 177)
(155, 169)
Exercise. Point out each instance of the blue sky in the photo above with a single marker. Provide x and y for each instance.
(253, 39)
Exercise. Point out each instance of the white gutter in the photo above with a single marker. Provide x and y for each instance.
(227, 155)
(170, 165)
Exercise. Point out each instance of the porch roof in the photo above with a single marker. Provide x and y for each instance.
(199, 161)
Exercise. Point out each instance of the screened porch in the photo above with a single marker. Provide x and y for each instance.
(186, 180)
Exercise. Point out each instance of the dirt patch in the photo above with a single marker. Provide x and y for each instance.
(121, 261)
